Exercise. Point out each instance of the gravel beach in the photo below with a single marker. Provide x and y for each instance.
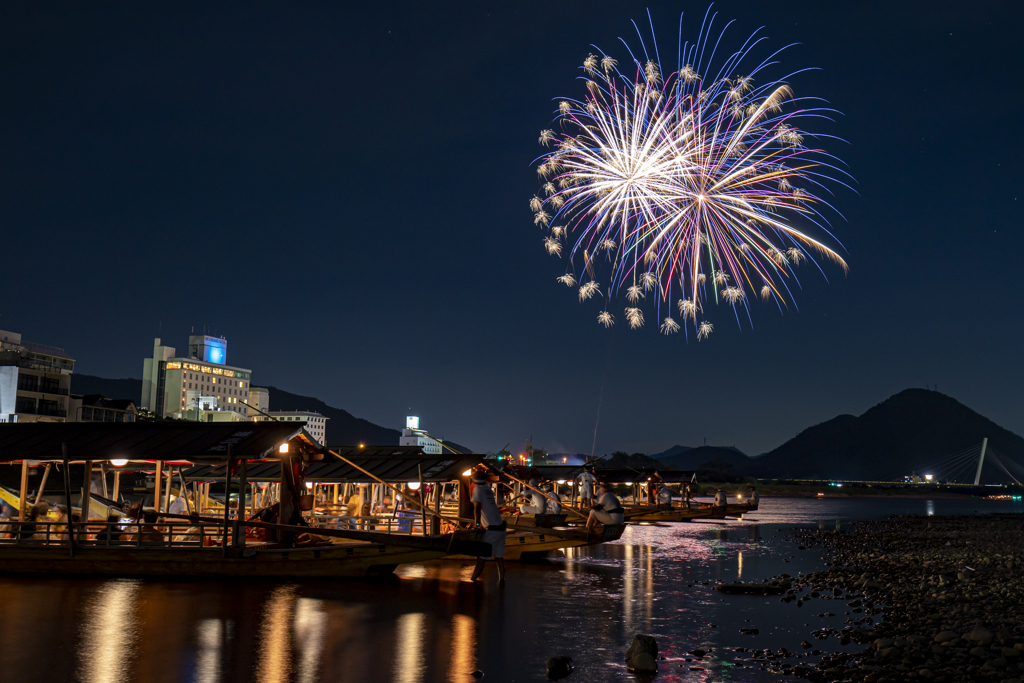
(932, 598)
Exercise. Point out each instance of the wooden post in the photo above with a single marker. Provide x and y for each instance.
(243, 485)
(157, 481)
(42, 485)
(23, 498)
(67, 498)
(336, 487)
(255, 490)
(227, 499)
(423, 501)
(167, 493)
(86, 500)
(435, 523)
(184, 491)
(117, 483)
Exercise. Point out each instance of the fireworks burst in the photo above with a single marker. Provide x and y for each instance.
(693, 180)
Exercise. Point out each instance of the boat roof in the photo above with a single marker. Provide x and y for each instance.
(151, 441)
(402, 466)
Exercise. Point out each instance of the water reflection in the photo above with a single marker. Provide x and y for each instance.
(463, 652)
(409, 644)
(109, 628)
(275, 644)
(310, 624)
(930, 507)
(209, 635)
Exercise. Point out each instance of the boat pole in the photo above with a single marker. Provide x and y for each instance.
(23, 497)
(42, 485)
(86, 501)
(117, 483)
(227, 499)
(184, 492)
(158, 479)
(67, 498)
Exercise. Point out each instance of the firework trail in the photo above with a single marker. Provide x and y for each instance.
(696, 185)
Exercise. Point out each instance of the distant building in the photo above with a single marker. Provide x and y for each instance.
(316, 424)
(35, 381)
(259, 401)
(97, 408)
(167, 380)
(412, 435)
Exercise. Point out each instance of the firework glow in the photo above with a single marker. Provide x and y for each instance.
(698, 184)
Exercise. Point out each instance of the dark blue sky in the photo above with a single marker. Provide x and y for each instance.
(343, 195)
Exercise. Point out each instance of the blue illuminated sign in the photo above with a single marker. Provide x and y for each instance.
(215, 350)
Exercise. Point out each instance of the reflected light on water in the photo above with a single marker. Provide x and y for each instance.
(930, 505)
(310, 623)
(463, 655)
(409, 645)
(739, 565)
(209, 634)
(275, 644)
(109, 631)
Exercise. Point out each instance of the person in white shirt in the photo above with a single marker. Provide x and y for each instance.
(587, 480)
(537, 501)
(552, 506)
(664, 496)
(180, 506)
(754, 497)
(608, 509)
(487, 515)
(720, 499)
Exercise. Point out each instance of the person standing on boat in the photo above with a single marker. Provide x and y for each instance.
(587, 480)
(608, 509)
(487, 515)
(720, 499)
(664, 496)
(754, 497)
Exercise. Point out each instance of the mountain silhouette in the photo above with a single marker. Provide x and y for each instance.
(912, 431)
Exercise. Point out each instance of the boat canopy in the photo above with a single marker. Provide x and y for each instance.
(393, 464)
(153, 441)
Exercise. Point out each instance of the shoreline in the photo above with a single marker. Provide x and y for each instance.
(947, 589)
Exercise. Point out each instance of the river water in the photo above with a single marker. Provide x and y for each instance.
(428, 623)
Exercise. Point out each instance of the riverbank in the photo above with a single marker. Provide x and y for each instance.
(948, 589)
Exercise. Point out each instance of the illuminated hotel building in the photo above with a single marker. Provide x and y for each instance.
(169, 383)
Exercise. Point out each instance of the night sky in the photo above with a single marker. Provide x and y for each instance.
(344, 195)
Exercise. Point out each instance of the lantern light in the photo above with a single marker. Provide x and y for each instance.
(119, 462)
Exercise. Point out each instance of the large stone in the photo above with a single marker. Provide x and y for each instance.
(559, 667)
(642, 663)
(642, 645)
(978, 634)
(945, 636)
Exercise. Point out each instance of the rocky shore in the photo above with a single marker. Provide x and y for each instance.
(933, 598)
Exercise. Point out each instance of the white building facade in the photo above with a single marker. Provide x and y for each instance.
(201, 382)
(35, 381)
(412, 435)
(315, 423)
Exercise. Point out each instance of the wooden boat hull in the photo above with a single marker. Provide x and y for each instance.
(673, 515)
(348, 560)
(545, 521)
(738, 509)
(525, 545)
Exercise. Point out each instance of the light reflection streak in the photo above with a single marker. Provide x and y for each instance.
(463, 654)
(627, 585)
(650, 585)
(275, 644)
(109, 631)
(739, 563)
(209, 633)
(310, 624)
(930, 505)
(409, 645)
